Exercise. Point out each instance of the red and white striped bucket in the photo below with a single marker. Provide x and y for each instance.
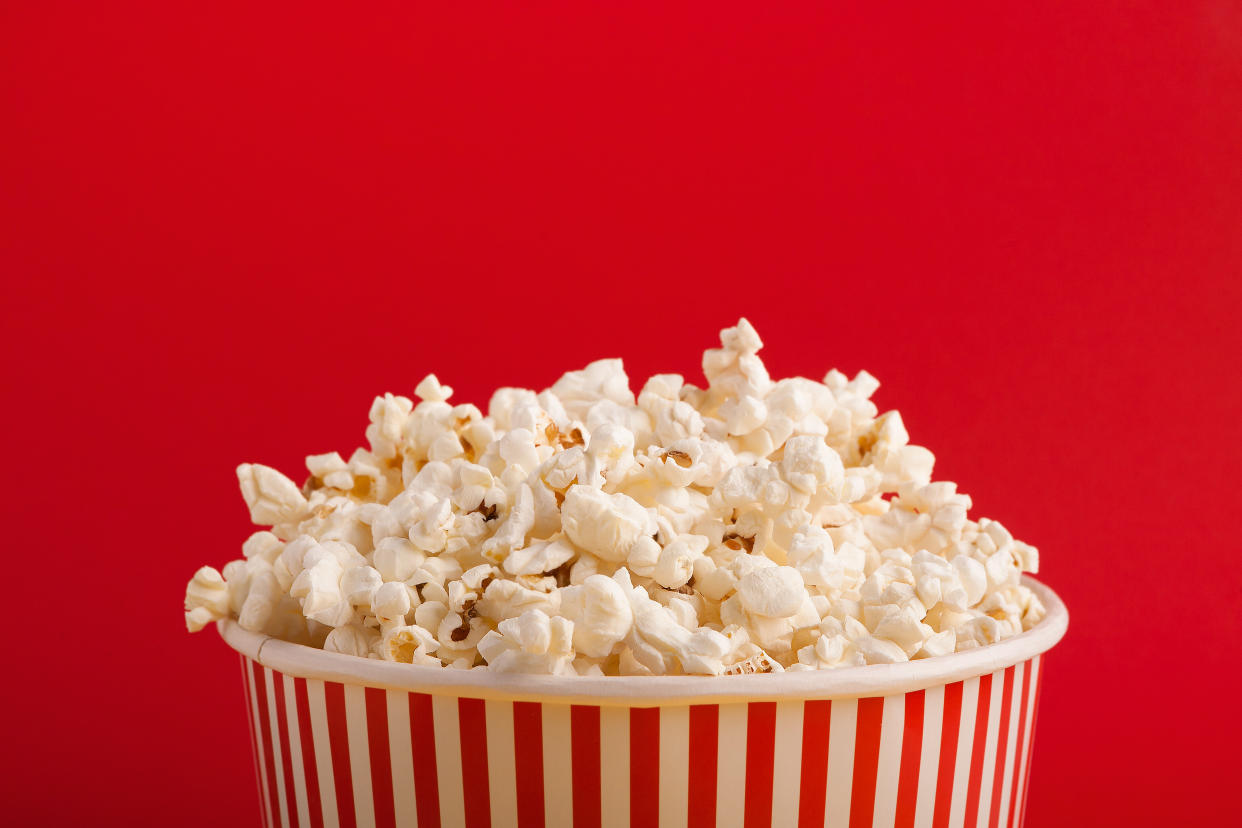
(341, 742)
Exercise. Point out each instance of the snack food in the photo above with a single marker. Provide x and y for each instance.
(750, 526)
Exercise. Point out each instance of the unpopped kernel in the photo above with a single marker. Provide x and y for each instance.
(752, 526)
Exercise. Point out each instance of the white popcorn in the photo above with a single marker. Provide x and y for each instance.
(539, 557)
(397, 558)
(601, 612)
(810, 466)
(260, 611)
(271, 497)
(675, 566)
(331, 469)
(351, 639)
(749, 526)
(408, 644)
(359, 584)
(601, 380)
(530, 643)
(775, 592)
(206, 599)
(391, 601)
(606, 525)
(431, 390)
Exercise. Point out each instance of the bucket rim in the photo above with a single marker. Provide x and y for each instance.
(871, 680)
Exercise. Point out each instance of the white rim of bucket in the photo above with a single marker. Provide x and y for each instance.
(650, 691)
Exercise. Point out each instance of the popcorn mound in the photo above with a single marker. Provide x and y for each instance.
(749, 527)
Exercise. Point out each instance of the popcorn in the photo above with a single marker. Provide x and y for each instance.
(601, 612)
(206, 599)
(391, 601)
(530, 643)
(606, 525)
(408, 644)
(751, 526)
(271, 497)
(776, 592)
(351, 639)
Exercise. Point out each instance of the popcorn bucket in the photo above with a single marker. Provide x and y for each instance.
(341, 742)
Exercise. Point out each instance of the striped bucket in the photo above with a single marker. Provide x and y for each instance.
(943, 742)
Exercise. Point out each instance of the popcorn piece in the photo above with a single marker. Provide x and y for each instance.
(206, 599)
(391, 602)
(431, 390)
(776, 592)
(606, 525)
(271, 497)
(810, 466)
(351, 639)
(530, 643)
(408, 644)
(675, 566)
(331, 469)
(539, 557)
(601, 612)
(601, 380)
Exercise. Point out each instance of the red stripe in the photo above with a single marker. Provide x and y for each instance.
(1030, 748)
(644, 767)
(286, 755)
(338, 740)
(309, 769)
(381, 759)
(1018, 753)
(265, 733)
(254, 739)
(1002, 744)
(584, 726)
(949, 727)
(528, 759)
(701, 776)
(866, 761)
(816, 727)
(472, 722)
(423, 744)
(975, 774)
(911, 756)
(760, 748)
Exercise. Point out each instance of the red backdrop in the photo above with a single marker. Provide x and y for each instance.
(226, 228)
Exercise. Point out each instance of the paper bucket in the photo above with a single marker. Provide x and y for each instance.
(347, 743)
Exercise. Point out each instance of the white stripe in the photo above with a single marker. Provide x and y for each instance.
(323, 751)
(260, 738)
(989, 749)
(1015, 709)
(731, 763)
(614, 766)
(844, 722)
(929, 758)
(295, 750)
(401, 757)
(254, 736)
(558, 787)
(501, 769)
(674, 766)
(359, 754)
(787, 764)
(888, 766)
(965, 745)
(448, 760)
(1023, 769)
(277, 750)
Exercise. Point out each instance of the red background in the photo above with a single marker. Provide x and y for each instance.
(226, 228)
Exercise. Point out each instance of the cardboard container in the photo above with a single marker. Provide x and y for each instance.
(347, 743)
